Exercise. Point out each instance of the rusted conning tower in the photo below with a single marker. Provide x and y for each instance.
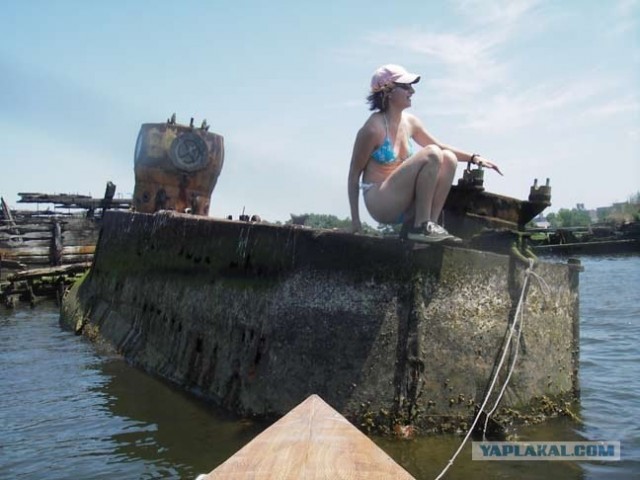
(176, 167)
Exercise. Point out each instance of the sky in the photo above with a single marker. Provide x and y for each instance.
(545, 89)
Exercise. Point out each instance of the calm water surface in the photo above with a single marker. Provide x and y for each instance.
(66, 411)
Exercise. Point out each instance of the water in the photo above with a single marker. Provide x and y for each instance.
(68, 411)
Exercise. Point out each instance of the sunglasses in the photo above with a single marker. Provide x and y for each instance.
(404, 86)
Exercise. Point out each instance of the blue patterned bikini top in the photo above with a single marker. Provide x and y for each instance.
(384, 153)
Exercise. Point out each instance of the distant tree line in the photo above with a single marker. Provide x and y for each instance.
(614, 214)
(569, 218)
(320, 220)
(565, 217)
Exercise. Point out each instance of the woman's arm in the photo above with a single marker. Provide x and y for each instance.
(362, 148)
(424, 138)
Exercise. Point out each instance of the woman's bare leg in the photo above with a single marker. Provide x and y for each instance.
(426, 184)
(412, 184)
(445, 178)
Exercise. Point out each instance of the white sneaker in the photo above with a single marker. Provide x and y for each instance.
(428, 232)
(442, 231)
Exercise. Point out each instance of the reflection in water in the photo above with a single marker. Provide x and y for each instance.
(188, 434)
(67, 412)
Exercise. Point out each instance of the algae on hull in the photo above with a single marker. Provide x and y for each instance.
(257, 317)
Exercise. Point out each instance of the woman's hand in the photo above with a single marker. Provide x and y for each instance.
(483, 162)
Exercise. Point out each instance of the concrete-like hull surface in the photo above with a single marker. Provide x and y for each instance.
(257, 317)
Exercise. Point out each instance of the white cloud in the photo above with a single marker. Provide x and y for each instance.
(470, 77)
(615, 107)
(634, 134)
(471, 81)
(467, 59)
(538, 105)
(625, 16)
(345, 104)
(504, 12)
(469, 64)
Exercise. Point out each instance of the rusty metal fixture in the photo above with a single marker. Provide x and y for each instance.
(469, 209)
(176, 167)
(472, 178)
(540, 194)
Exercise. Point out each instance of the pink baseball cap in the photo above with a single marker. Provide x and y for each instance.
(388, 74)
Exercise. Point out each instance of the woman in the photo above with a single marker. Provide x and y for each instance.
(400, 183)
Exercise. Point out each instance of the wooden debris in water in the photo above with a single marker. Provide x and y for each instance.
(33, 285)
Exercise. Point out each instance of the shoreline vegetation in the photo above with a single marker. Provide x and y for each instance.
(614, 216)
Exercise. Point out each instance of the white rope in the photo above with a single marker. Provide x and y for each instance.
(545, 289)
(528, 272)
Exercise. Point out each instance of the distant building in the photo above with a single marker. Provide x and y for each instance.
(540, 222)
(619, 211)
(602, 212)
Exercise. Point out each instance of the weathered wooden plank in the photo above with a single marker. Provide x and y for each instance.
(25, 251)
(40, 239)
(79, 236)
(313, 441)
(83, 239)
(8, 219)
(79, 224)
(28, 259)
(45, 222)
(6, 212)
(34, 213)
(56, 244)
(31, 251)
(34, 223)
(62, 198)
(78, 250)
(81, 221)
(80, 233)
(27, 227)
(69, 259)
(26, 244)
(50, 271)
(79, 229)
(75, 201)
(5, 263)
(42, 235)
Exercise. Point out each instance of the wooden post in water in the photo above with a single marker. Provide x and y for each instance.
(109, 192)
(56, 244)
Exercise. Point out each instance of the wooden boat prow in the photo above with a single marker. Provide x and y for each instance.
(312, 441)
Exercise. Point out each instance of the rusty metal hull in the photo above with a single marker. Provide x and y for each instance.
(469, 210)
